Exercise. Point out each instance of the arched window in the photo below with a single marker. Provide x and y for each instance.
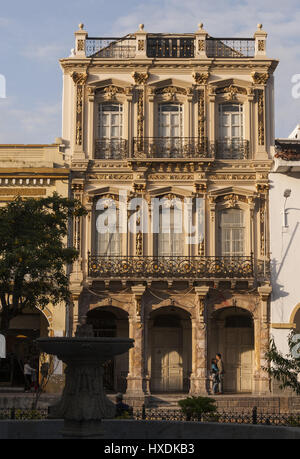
(231, 232)
(231, 131)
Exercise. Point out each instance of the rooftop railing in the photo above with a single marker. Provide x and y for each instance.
(169, 46)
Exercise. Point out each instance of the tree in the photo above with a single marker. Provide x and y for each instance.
(285, 369)
(34, 254)
(197, 406)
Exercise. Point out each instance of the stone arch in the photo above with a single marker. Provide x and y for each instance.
(293, 315)
(49, 317)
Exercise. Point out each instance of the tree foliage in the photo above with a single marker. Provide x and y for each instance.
(285, 368)
(34, 253)
(197, 406)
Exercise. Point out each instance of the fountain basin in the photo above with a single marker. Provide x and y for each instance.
(84, 403)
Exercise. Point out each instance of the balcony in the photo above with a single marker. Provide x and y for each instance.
(111, 149)
(230, 47)
(171, 148)
(180, 267)
(232, 149)
(173, 46)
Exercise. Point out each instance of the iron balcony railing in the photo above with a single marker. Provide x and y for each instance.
(111, 149)
(232, 149)
(179, 267)
(171, 147)
(114, 48)
(230, 47)
(170, 46)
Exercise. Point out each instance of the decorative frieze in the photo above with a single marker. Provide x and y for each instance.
(260, 78)
(80, 81)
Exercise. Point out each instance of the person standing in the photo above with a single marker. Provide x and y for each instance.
(221, 371)
(28, 372)
(214, 376)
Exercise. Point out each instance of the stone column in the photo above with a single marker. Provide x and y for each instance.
(198, 380)
(136, 376)
(262, 377)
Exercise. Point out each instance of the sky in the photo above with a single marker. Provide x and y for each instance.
(35, 34)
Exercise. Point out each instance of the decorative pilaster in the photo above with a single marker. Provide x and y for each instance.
(136, 385)
(79, 81)
(262, 377)
(198, 381)
(91, 91)
(80, 41)
(141, 43)
(76, 276)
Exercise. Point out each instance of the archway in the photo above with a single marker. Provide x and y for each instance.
(170, 350)
(21, 345)
(232, 335)
(109, 321)
(297, 321)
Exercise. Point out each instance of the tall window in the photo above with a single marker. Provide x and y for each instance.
(232, 232)
(169, 239)
(170, 129)
(107, 234)
(110, 130)
(231, 130)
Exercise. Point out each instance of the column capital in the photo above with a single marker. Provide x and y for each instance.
(138, 290)
(265, 291)
(202, 290)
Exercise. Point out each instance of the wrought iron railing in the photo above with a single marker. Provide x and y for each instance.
(180, 267)
(232, 149)
(230, 47)
(116, 48)
(111, 149)
(170, 47)
(172, 147)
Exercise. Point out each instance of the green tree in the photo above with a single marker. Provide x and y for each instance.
(34, 254)
(197, 406)
(285, 368)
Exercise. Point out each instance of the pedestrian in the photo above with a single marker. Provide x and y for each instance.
(214, 376)
(221, 373)
(28, 372)
(122, 408)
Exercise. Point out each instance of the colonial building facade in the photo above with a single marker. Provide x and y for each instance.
(185, 120)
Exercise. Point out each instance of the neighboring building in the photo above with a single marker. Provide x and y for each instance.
(285, 239)
(174, 116)
(31, 171)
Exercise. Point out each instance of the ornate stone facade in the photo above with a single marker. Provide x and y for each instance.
(180, 309)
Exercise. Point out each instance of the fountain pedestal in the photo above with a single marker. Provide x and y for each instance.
(84, 403)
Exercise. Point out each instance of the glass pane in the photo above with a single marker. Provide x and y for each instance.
(114, 119)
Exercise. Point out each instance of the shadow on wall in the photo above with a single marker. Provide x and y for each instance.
(276, 267)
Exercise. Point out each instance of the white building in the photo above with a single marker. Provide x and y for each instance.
(285, 239)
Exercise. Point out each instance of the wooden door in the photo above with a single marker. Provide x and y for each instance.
(238, 359)
(167, 366)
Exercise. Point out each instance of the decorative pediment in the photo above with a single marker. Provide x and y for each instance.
(170, 88)
(109, 88)
(170, 192)
(231, 88)
(232, 196)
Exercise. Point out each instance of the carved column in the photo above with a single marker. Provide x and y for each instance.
(91, 122)
(76, 276)
(198, 380)
(260, 81)
(79, 81)
(136, 376)
(262, 377)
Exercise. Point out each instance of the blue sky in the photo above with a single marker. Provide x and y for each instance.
(35, 34)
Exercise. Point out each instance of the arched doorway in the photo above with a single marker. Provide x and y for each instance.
(21, 345)
(170, 345)
(232, 336)
(297, 321)
(109, 321)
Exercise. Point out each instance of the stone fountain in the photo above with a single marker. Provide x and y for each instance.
(84, 403)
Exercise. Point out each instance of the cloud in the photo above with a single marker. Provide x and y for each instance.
(44, 53)
(40, 123)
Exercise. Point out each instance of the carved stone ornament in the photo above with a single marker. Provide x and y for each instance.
(170, 92)
(231, 201)
(110, 92)
(232, 91)
(80, 45)
(79, 78)
(140, 78)
(141, 45)
(260, 78)
(261, 45)
(200, 78)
